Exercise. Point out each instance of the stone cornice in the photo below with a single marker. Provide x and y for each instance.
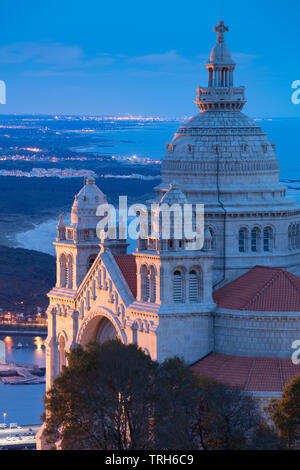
(261, 315)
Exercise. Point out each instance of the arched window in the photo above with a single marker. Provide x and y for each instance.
(255, 236)
(195, 286)
(243, 240)
(177, 286)
(148, 284)
(294, 236)
(69, 272)
(144, 283)
(91, 261)
(63, 270)
(268, 238)
(152, 279)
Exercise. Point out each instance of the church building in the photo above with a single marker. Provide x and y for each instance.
(232, 309)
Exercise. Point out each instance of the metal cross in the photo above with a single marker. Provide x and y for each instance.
(221, 29)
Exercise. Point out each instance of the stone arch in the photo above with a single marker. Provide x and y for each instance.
(100, 325)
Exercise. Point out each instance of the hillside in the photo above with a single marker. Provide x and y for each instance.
(25, 276)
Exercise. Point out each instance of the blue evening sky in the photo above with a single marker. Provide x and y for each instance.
(143, 58)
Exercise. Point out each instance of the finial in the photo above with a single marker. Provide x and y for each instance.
(61, 221)
(173, 185)
(221, 29)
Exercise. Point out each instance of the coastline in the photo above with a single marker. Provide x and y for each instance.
(13, 225)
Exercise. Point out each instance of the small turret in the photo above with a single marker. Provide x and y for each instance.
(221, 95)
(61, 229)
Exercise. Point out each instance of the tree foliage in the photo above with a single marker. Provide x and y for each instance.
(285, 413)
(114, 397)
(224, 418)
(103, 399)
(176, 387)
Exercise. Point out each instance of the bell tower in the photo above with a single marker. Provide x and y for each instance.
(170, 271)
(221, 95)
(77, 245)
(174, 279)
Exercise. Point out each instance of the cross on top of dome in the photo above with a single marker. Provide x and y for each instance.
(221, 29)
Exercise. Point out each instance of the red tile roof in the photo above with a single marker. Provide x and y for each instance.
(255, 374)
(261, 289)
(127, 266)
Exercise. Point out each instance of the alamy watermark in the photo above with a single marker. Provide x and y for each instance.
(296, 353)
(2, 92)
(296, 94)
(157, 221)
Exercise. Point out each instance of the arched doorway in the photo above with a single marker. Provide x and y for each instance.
(99, 326)
(106, 331)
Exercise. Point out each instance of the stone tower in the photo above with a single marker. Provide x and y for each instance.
(223, 159)
(77, 245)
(179, 280)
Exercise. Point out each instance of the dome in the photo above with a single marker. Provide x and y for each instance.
(86, 203)
(90, 196)
(221, 54)
(174, 196)
(223, 151)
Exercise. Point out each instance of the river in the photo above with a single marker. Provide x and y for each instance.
(23, 404)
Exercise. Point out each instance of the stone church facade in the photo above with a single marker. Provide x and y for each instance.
(231, 309)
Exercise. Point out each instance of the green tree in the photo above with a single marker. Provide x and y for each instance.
(225, 419)
(113, 396)
(285, 413)
(176, 390)
(103, 400)
(264, 437)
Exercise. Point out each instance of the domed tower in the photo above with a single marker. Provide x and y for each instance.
(223, 159)
(77, 245)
